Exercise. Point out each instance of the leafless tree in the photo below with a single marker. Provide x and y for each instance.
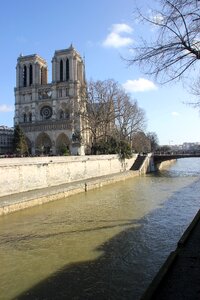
(130, 118)
(141, 142)
(176, 44)
(108, 111)
(97, 108)
(153, 138)
(194, 89)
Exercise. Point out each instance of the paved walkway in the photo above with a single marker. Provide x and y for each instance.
(179, 277)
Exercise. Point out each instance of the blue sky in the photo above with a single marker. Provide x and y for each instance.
(102, 31)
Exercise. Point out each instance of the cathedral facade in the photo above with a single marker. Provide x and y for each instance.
(48, 113)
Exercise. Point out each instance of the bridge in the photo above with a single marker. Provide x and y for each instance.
(158, 158)
(149, 162)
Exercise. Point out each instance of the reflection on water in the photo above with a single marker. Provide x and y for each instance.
(105, 244)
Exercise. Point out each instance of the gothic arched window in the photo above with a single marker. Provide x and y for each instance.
(24, 76)
(30, 117)
(61, 114)
(30, 75)
(61, 70)
(25, 118)
(67, 69)
(67, 114)
(43, 73)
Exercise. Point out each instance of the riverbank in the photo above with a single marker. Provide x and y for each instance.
(179, 276)
(166, 164)
(30, 173)
(26, 182)
(18, 201)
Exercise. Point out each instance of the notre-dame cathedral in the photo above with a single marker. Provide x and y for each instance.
(47, 112)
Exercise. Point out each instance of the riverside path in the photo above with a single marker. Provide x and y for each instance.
(179, 277)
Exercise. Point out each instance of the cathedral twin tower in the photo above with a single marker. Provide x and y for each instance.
(48, 112)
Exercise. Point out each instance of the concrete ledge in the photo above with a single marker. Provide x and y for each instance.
(189, 230)
(150, 292)
(15, 202)
(169, 263)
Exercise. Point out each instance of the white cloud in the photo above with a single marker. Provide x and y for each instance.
(6, 108)
(175, 114)
(139, 85)
(120, 28)
(116, 37)
(158, 19)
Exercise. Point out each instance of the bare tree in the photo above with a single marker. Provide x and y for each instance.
(194, 89)
(130, 118)
(97, 109)
(153, 138)
(176, 46)
(141, 142)
(109, 112)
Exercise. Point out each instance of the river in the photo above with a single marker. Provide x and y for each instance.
(105, 244)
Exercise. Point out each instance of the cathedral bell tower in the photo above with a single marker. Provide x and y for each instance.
(48, 112)
(31, 72)
(67, 65)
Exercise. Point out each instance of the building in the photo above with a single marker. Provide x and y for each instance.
(191, 146)
(6, 139)
(48, 113)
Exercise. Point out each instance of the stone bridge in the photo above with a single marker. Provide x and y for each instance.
(158, 158)
(151, 162)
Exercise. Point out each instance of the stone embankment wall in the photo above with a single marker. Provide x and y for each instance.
(24, 174)
(165, 164)
(148, 165)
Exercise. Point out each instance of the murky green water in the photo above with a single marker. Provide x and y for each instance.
(105, 244)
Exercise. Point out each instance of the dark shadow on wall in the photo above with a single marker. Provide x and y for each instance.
(125, 268)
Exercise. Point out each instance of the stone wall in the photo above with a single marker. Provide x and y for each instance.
(166, 164)
(148, 165)
(25, 174)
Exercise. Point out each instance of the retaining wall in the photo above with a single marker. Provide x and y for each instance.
(166, 164)
(148, 165)
(24, 174)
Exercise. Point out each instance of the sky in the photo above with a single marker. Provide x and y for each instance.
(102, 32)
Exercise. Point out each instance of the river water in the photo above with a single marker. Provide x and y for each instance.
(105, 244)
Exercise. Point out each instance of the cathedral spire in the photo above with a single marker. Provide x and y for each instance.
(71, 47)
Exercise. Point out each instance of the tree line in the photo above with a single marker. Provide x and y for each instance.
(115, 122)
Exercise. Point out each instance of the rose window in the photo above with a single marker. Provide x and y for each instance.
(46, 112)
